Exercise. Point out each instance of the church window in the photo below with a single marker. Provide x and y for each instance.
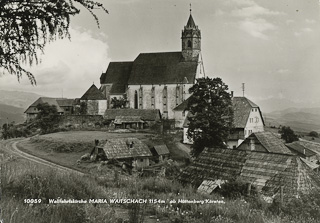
(135, 99)
(189, 44)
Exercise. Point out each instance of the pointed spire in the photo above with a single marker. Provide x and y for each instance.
(191, 23)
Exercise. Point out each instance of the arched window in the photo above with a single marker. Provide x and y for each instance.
(135, 99)
(189, 44)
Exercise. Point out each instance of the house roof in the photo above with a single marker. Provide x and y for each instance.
(242, 107)
(117, 74)
(162, 149)
(162, 68)
(64, 102)
(182, 106)
(270, 142)
(127, 119)
(266, 171)
(42, 100)
(145, 114)
(312, 165)
(93, 93)
(300, 148)
(314, 146)
(119, 148)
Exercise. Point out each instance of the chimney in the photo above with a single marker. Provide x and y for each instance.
(231, 94)
(252, 144)
(96, 142)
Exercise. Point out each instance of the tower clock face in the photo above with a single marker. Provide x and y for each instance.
(196, 43)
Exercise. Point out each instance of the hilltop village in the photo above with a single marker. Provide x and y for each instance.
(152, 92)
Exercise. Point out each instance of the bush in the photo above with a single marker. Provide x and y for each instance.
(314, 134)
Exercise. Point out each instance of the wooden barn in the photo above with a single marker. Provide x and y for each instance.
(268, 172)
(161, 152)
(129, 150)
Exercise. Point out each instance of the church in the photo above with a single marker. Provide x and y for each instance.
(157, 80)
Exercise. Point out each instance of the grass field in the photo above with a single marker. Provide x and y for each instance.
(66, 148)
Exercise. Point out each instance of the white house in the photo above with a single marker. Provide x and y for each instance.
(247, 119)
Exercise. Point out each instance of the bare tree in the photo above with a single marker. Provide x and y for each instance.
(26, 26)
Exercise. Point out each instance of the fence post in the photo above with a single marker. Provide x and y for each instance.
(249, 189)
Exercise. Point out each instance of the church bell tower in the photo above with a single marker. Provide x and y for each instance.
(191, 40)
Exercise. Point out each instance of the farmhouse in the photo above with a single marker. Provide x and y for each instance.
(157, 80)
(63, 105)
(268, 172)
(130, 150)
(264, 142)
(247, 119)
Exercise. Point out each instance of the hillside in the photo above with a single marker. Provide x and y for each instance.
(11, 114)
(299, 119)
(18, 98)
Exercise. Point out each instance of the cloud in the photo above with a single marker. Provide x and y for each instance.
(68, 66)
(253, 11)
(303, 31)
(257, 27)
(310, 21)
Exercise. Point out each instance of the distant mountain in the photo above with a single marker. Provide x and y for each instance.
(299, 119)
(18, 98)
(10, 114)
(279, 104)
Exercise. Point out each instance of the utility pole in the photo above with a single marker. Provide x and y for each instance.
(242, 89)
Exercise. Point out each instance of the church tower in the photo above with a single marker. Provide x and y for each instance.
(191, 40)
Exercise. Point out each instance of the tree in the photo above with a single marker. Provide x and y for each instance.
(27, 26)
(118, 103)
(314, 134)
(47, 117)
(211, 111)
(288, 135)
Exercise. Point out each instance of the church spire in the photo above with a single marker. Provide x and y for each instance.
(191, 40)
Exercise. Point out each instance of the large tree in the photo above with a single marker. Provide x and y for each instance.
(27, 26)
(288, 135)
(47, 117)
(211, 118)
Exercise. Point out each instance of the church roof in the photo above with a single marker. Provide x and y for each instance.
(162, 68)
(92, 93)
(191, 23)
(150, 68)
(117, 74)
(242, 107)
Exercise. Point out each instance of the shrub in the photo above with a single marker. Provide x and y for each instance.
(314, 134)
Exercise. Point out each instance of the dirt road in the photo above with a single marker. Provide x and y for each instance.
(10, 146)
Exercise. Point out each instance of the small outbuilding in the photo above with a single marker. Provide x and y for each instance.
(128, 150)
(125, 122)
(161, 152)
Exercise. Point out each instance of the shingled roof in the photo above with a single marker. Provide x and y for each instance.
(242, 107)
(161, 149)
(145, 114)
(64, 102)
(271, 142)
(42, 100)
(182, 106)
(162, 68)
(266, 171)
(117, 74)
(119, 148)
(300, 148)
(93, 93)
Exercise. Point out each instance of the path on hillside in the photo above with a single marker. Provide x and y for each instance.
(10, 146)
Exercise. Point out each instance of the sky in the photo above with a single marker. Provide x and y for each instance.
(273, 46)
